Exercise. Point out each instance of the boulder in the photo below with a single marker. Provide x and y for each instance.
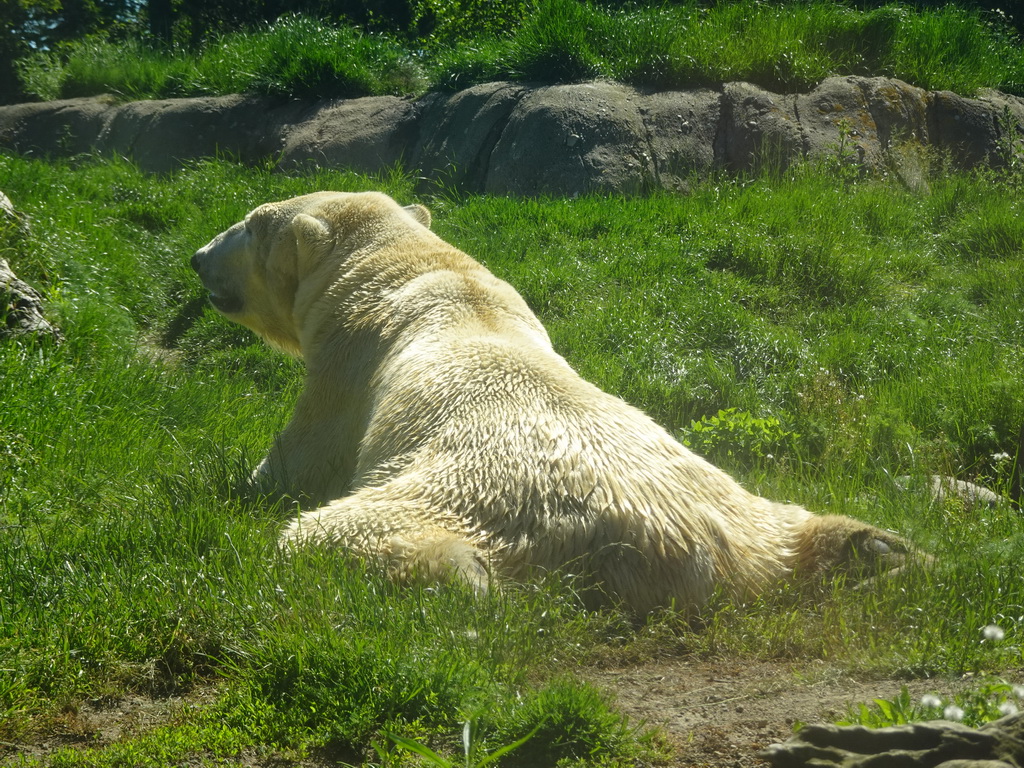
(681, 129)
(458, 133)
(163, 135)
(941, 487)
(365, 135)
(968, 129)
(757, 129)
(970, 494)
(935, 744)
(60, 128)
(21, 308)
(570, 140)
(10, 218)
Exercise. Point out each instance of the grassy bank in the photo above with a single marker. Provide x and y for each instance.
(822, 338)
(781, 46)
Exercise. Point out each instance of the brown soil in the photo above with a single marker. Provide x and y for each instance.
(721, 714)
(716, 714)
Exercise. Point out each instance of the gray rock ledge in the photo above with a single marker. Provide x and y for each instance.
(934, 744)
(510, 138)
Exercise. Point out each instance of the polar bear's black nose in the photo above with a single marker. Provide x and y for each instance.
(195, 261)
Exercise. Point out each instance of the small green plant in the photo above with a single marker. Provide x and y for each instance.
(449, 22)
(471, 748)
(561, 42)
(843, 160)
(41, 75)
(989, 700)
(739, 437)
(881, 713)
(300, 56)
(1010, 148)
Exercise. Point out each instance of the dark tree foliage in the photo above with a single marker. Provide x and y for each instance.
(52, 23)
(17, 18)
(12, 46)
(27, 25)
(160, 19)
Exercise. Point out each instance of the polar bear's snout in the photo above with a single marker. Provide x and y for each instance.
(209, 263)
(221, 296)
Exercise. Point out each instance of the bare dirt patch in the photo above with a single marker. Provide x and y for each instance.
(722, 713)
(98, 723)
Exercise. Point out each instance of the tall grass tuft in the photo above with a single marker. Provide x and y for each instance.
(295, 56)
(300, 56)
(129, 69)
(561, 42)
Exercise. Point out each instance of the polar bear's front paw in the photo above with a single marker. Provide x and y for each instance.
(260, 480)
(831, 543)
(438, 558)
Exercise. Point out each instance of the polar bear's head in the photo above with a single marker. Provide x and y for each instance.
(256, 270)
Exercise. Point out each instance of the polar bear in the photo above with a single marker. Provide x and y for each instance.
(440, 434)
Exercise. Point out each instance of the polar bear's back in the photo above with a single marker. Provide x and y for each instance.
(502, 433)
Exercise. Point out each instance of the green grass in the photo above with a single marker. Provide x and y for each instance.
(819, 337)
(782, 46)
(295, 57)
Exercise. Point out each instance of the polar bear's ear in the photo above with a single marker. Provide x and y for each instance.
(420, 213)
(310, 230)
(310, 233)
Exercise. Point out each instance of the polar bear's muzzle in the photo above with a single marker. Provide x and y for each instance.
(212, 263)
(223, 299)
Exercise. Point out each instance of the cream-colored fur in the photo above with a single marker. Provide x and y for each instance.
(440, 433)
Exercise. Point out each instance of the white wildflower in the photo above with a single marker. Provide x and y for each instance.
(993, 632)
(1008, 708)
(953, 712)
(931, 701)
